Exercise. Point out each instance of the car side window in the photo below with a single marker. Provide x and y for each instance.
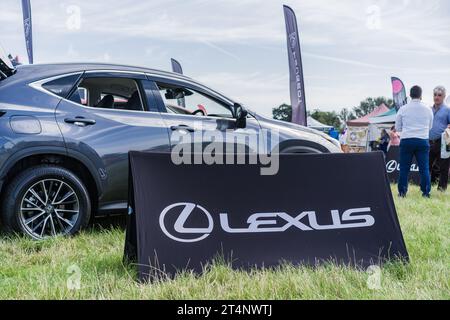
(187, 101)
(62, 86)
(109, 93)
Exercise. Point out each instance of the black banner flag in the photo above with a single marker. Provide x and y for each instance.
(176, 66)
(297, 85)
(28, 28)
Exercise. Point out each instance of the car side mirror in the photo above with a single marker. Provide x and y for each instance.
(241, 116)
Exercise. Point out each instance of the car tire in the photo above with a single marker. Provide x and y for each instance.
(46, 201)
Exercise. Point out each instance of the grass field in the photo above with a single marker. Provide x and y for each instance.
(41, 270)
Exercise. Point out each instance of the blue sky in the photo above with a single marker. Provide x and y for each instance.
(351, 48)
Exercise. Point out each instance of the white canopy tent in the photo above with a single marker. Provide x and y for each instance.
(385, 119)
(314, 124)
(377, 124)
(358, 130)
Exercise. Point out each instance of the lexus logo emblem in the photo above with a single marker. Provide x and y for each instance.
(176, 215)
(391, 166)
(184, 211)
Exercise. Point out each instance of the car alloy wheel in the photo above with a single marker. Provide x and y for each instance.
(49, 208)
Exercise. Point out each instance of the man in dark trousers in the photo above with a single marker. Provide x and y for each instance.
(440, 124)
(414, 122)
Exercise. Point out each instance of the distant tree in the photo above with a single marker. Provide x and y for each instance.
(346, 115)
(337, 120)
(326, 117)
(368, 105)
(283, 113)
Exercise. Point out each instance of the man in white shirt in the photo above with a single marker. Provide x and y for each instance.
(414, 122)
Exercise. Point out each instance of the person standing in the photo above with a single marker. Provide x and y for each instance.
(414, 122)
(384, 141)
(395, 137)
(343, 141)
(440, 124)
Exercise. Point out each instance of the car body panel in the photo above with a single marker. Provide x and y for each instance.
(19, 102)
(293, 132)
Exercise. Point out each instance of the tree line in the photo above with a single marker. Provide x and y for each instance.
(333, 118)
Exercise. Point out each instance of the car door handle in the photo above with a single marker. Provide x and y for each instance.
(80, 121)
(182, 128)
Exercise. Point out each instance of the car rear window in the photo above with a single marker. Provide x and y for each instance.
(62, 86)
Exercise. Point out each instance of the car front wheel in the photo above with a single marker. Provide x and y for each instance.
(44, 202)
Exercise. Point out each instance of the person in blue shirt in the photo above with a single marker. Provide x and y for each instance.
(440, 124)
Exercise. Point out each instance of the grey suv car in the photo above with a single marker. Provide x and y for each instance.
(66, 130)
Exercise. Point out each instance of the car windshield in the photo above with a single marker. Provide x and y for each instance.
(188, 101)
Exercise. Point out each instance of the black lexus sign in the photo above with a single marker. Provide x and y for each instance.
(318, 208)
(393, 167)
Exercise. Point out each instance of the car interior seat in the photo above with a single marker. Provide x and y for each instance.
(134, 103)
(107, 102)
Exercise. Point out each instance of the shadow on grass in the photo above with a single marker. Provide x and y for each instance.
(108, 223)
(97, 224)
